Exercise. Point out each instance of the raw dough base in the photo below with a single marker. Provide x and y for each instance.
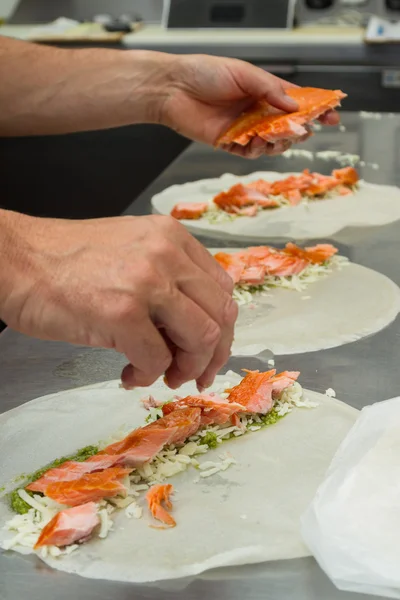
(370, 205)
(247, 514)
(342, 307)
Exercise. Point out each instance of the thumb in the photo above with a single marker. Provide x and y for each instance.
(260, 85)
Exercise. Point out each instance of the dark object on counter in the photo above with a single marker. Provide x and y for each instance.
(117, 25)
(319, 4)
(270, 14)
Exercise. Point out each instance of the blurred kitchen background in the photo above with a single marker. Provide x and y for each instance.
(352, 45)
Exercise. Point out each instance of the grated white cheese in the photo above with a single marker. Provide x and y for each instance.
(330, 392)
(243, 294)
(170, 461)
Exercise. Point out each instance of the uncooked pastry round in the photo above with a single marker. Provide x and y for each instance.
(370, 205)
(247, 514)
(342, 307)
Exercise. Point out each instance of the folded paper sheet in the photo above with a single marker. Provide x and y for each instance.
(353, 524)
(370, 205)
(249, 513)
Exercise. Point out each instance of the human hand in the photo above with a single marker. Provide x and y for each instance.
(208, 93)
(141, 285)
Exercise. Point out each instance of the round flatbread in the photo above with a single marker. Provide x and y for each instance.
(247, 514)
(370, 205)
(341, 307)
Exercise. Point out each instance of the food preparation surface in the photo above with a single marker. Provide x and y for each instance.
(361, 373)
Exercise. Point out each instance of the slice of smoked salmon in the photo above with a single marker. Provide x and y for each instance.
(231, 263)
(71, 470)
(159, 503)
(314, 254)
(258, 391)
(69, 526)
(141, 445)
(91, 487)
(214, 410)
(189, 210)
(346, 176)
(271, 124)
(184, 423)
(238, 197)
(253, 275)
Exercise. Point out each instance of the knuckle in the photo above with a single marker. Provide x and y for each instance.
(209, 335)
(229, 310)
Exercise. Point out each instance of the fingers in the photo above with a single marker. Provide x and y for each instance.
(147, 352)
(258, 84)
(207, 263)
(194, 333)
(330, 118)
(199, 319)
(257, 148)
(223, 310)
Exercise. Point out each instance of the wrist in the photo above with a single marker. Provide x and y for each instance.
(153, 77)
(16, 263)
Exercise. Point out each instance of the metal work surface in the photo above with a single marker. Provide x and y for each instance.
(361, 373)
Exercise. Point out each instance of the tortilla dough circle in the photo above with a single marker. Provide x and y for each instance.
(249, 513)
(342, 307)
(370, 205)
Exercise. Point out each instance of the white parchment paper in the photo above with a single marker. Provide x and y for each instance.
(353, 524)
(247, 514)
(370, 205)
(341, 307)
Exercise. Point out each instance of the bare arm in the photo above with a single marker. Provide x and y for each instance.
(52, 90)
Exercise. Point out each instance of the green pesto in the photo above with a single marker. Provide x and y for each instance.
(20, 506)
(210, 439)
(271, 418)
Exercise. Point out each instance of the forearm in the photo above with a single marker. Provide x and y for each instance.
(51, 90)
(16, 263)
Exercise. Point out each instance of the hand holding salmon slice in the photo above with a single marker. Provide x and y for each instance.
(273, 125)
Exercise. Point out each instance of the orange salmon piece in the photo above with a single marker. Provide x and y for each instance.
(91, 487)
(271, 124)
(156, 497)
(346, 176)
(257, 391)
(231, 263)
(254, 392)
(183, 422)
(141, 445)
(238, 197)
(314, 254)
(71, 470)
(214, 410)
(69, 526)
(189, 210)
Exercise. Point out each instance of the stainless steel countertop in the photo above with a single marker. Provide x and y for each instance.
(361, 373)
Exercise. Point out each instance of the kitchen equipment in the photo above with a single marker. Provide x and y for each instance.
(332, 12)
(204, 14)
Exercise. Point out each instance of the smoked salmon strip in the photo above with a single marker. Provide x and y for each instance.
(315, 254)
(189, 210)
(71, 470)
(159, 503)
(214, 410)
(272, 125)
(257, 391)
(184, 422)
(252, 266)
(91, 487)
(69, 526)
